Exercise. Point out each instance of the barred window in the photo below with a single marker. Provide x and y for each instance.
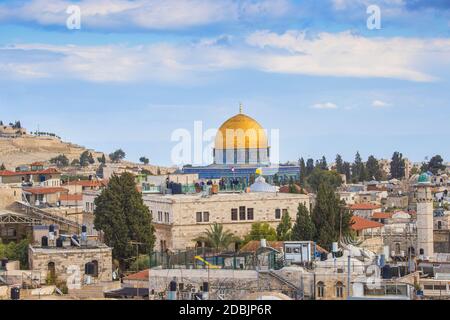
(277, 214)
(234, 214)
(250, 214)
(199, 216)
(241, 213)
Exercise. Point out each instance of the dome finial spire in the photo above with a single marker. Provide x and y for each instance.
(240, 107)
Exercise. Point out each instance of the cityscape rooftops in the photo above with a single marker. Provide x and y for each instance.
(364, 206)
(45, 190)
(362, 224)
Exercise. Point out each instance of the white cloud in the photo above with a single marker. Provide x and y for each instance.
(348, 55)
(123, 15)
(327, 54)
(326, 105)
(379, 104)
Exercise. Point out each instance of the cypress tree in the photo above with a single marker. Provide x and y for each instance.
(303, 228)
(284, 228)
(123, 217)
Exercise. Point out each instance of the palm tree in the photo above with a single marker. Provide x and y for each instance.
(216, 237)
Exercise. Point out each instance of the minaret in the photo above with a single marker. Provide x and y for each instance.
(424, 222)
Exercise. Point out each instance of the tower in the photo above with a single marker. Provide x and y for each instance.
(424, 221)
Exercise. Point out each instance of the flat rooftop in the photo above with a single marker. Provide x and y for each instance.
(224, 197)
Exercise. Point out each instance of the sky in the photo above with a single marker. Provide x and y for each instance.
(136, 71)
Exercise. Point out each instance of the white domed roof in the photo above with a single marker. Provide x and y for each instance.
(261, 185)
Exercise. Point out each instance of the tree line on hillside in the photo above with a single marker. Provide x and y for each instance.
(312, 171)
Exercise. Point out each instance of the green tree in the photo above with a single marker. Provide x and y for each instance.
(261, 230)
(123, 217)
(373, 168)
(144, 160)
(424, 167)
(330, 216)
(318, 176)
(117, 155)
(60, 161)
(359, 173)
(16, 251)
(85, 159)
(284, 227)
(347, 170)
(397, 166)
(303, 228)
(102, 159)
(216, 237)
(302, 172)
(75, 163)
(309, 166)
(436, 164)
(323, 163)
(2, 167)
(339, 164)
(91, 159)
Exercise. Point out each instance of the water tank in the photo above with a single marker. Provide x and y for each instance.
(205, 286)
(59, 242)
(51, 228)
(382, 260)
(15, 293)
(75, 237)
(334, 247)
(173, 285)
(44, 241)
(83, 228)
(263, 243)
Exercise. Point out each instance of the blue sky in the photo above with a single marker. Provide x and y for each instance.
(138, 70)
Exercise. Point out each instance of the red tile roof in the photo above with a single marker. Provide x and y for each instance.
(364, 206)
(382, 215)
(361, 224)
(45, 190)
(71, 197)
(141, 275)
(254, 245)
(21, 173)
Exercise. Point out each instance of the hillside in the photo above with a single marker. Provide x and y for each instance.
(28, 148)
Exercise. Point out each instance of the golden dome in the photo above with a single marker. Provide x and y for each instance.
(241, 131)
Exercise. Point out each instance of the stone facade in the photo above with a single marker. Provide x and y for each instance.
(187, 216)
(43, 259)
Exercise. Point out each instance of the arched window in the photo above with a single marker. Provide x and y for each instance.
(320, 289)
(439, 225)
(339, 289)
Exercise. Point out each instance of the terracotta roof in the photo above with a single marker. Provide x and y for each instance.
(361, 224)
(86, 183)
(141, 275)
(71, 197)
(21, 173)
(254, 245)
(382, 215)
(285, 189)
(45, 190)
(364, 206)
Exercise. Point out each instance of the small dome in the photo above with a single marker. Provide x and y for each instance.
(261, 185)
(241, 131)
(423, 178)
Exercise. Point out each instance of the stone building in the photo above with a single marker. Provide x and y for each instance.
(179, 219)
(69, 261)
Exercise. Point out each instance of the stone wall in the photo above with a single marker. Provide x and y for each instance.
(39, 259)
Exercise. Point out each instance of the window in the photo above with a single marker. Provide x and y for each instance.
(166, 217)
(320, 289)
(234, 215)
(206, 216)
(241, 213)
(277, 214)
(199, 217)
(339, 289)
(439, 226)
(160, 216)
(250, 214)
